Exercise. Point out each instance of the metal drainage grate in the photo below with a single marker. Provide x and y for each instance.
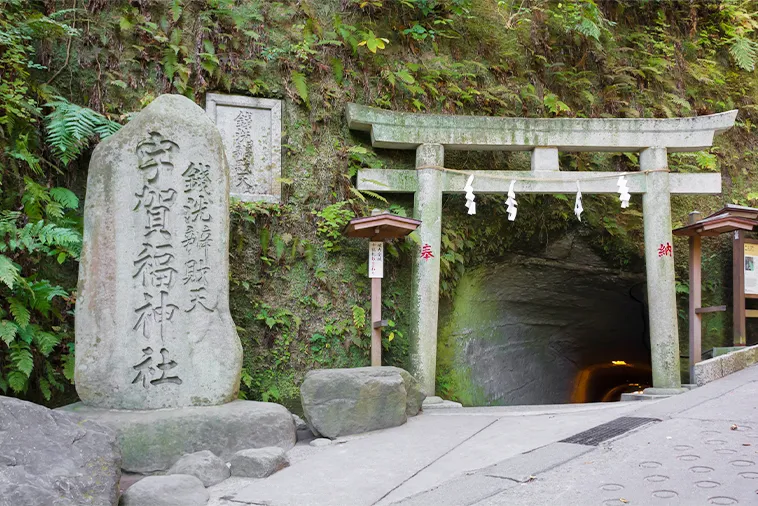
(610, 430)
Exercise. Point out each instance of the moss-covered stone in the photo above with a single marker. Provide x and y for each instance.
(152, 441)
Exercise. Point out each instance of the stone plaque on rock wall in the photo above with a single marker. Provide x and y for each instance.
(252, 132)
(153, 328)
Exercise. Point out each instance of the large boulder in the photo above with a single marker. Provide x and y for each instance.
(204, 466)
(55, 459)
(258, 462)
(339, 402)
(172, 490)
(152, 441)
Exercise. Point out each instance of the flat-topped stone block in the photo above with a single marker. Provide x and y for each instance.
(172, 490)
(340, 402)
(435, 402)
(152, 441)
(724, 365)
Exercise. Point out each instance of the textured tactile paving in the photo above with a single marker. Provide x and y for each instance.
(676, 462)
(610, 430)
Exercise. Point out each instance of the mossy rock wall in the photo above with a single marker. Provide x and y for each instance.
(299, 293)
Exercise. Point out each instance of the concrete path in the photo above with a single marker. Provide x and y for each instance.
(386, 466)
(698, 448)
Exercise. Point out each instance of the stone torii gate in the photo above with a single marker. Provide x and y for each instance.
(430, 135)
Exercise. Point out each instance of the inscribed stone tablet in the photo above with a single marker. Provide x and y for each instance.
(153, 327)
(252, 133)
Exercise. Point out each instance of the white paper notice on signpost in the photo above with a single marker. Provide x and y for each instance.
(751, 269)
(376, 259)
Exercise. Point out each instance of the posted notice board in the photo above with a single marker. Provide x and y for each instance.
(751, 269)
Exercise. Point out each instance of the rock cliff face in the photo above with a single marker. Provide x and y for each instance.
(543, 330)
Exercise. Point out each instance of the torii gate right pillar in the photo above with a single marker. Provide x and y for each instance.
(659, 264)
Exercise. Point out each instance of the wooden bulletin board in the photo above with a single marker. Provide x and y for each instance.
(750, 268)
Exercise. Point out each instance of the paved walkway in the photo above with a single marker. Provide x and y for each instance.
(698, 448)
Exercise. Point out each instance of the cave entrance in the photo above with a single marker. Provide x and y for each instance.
(430, 135)
(557, 327)
(607, 382)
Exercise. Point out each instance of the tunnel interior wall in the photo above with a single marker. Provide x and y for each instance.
(542, 330)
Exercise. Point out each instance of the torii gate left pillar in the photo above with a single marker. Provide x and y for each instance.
(425, 285)
(430, 135)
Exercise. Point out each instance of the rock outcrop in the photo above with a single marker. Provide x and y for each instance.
(55, 459)
(531, 330)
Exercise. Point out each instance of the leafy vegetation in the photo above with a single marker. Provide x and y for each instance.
(39, 223)
(71, 71)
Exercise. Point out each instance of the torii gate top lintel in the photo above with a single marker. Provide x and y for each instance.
(406, 130)
(431, 135)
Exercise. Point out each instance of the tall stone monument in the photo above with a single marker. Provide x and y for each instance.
(153, 328)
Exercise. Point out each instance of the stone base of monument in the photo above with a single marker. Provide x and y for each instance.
(153, 440)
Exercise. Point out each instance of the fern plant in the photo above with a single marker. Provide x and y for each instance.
(332, 220)
(40, 235)
(70, 128)
(745, 53)
(30, 306)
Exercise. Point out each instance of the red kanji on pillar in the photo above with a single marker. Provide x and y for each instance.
(426, 252)
(665, 250)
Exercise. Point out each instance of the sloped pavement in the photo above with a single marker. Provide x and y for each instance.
(386, 466)
(700, 447)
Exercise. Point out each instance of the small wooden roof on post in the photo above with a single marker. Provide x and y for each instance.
(732, 219)
(381, 226)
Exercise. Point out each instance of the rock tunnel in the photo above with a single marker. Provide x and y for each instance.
(559, 328)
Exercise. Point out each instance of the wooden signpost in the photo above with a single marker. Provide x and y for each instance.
(379, 227)
(736, 220)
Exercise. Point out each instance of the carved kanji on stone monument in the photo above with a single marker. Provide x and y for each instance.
(153, 328)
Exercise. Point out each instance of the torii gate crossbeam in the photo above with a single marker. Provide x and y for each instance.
(431, 135)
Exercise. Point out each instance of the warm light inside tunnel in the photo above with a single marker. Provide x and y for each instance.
(607, 381)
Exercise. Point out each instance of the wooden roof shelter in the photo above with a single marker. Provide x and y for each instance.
(737, 220)
(382, 226)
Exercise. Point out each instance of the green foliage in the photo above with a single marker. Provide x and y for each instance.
(332, 221)
(299, 81)
(359, 317)
(30, 306)
(70, 128)
(583, 17)
(372, 42)
(39, 226)
(574, 58)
